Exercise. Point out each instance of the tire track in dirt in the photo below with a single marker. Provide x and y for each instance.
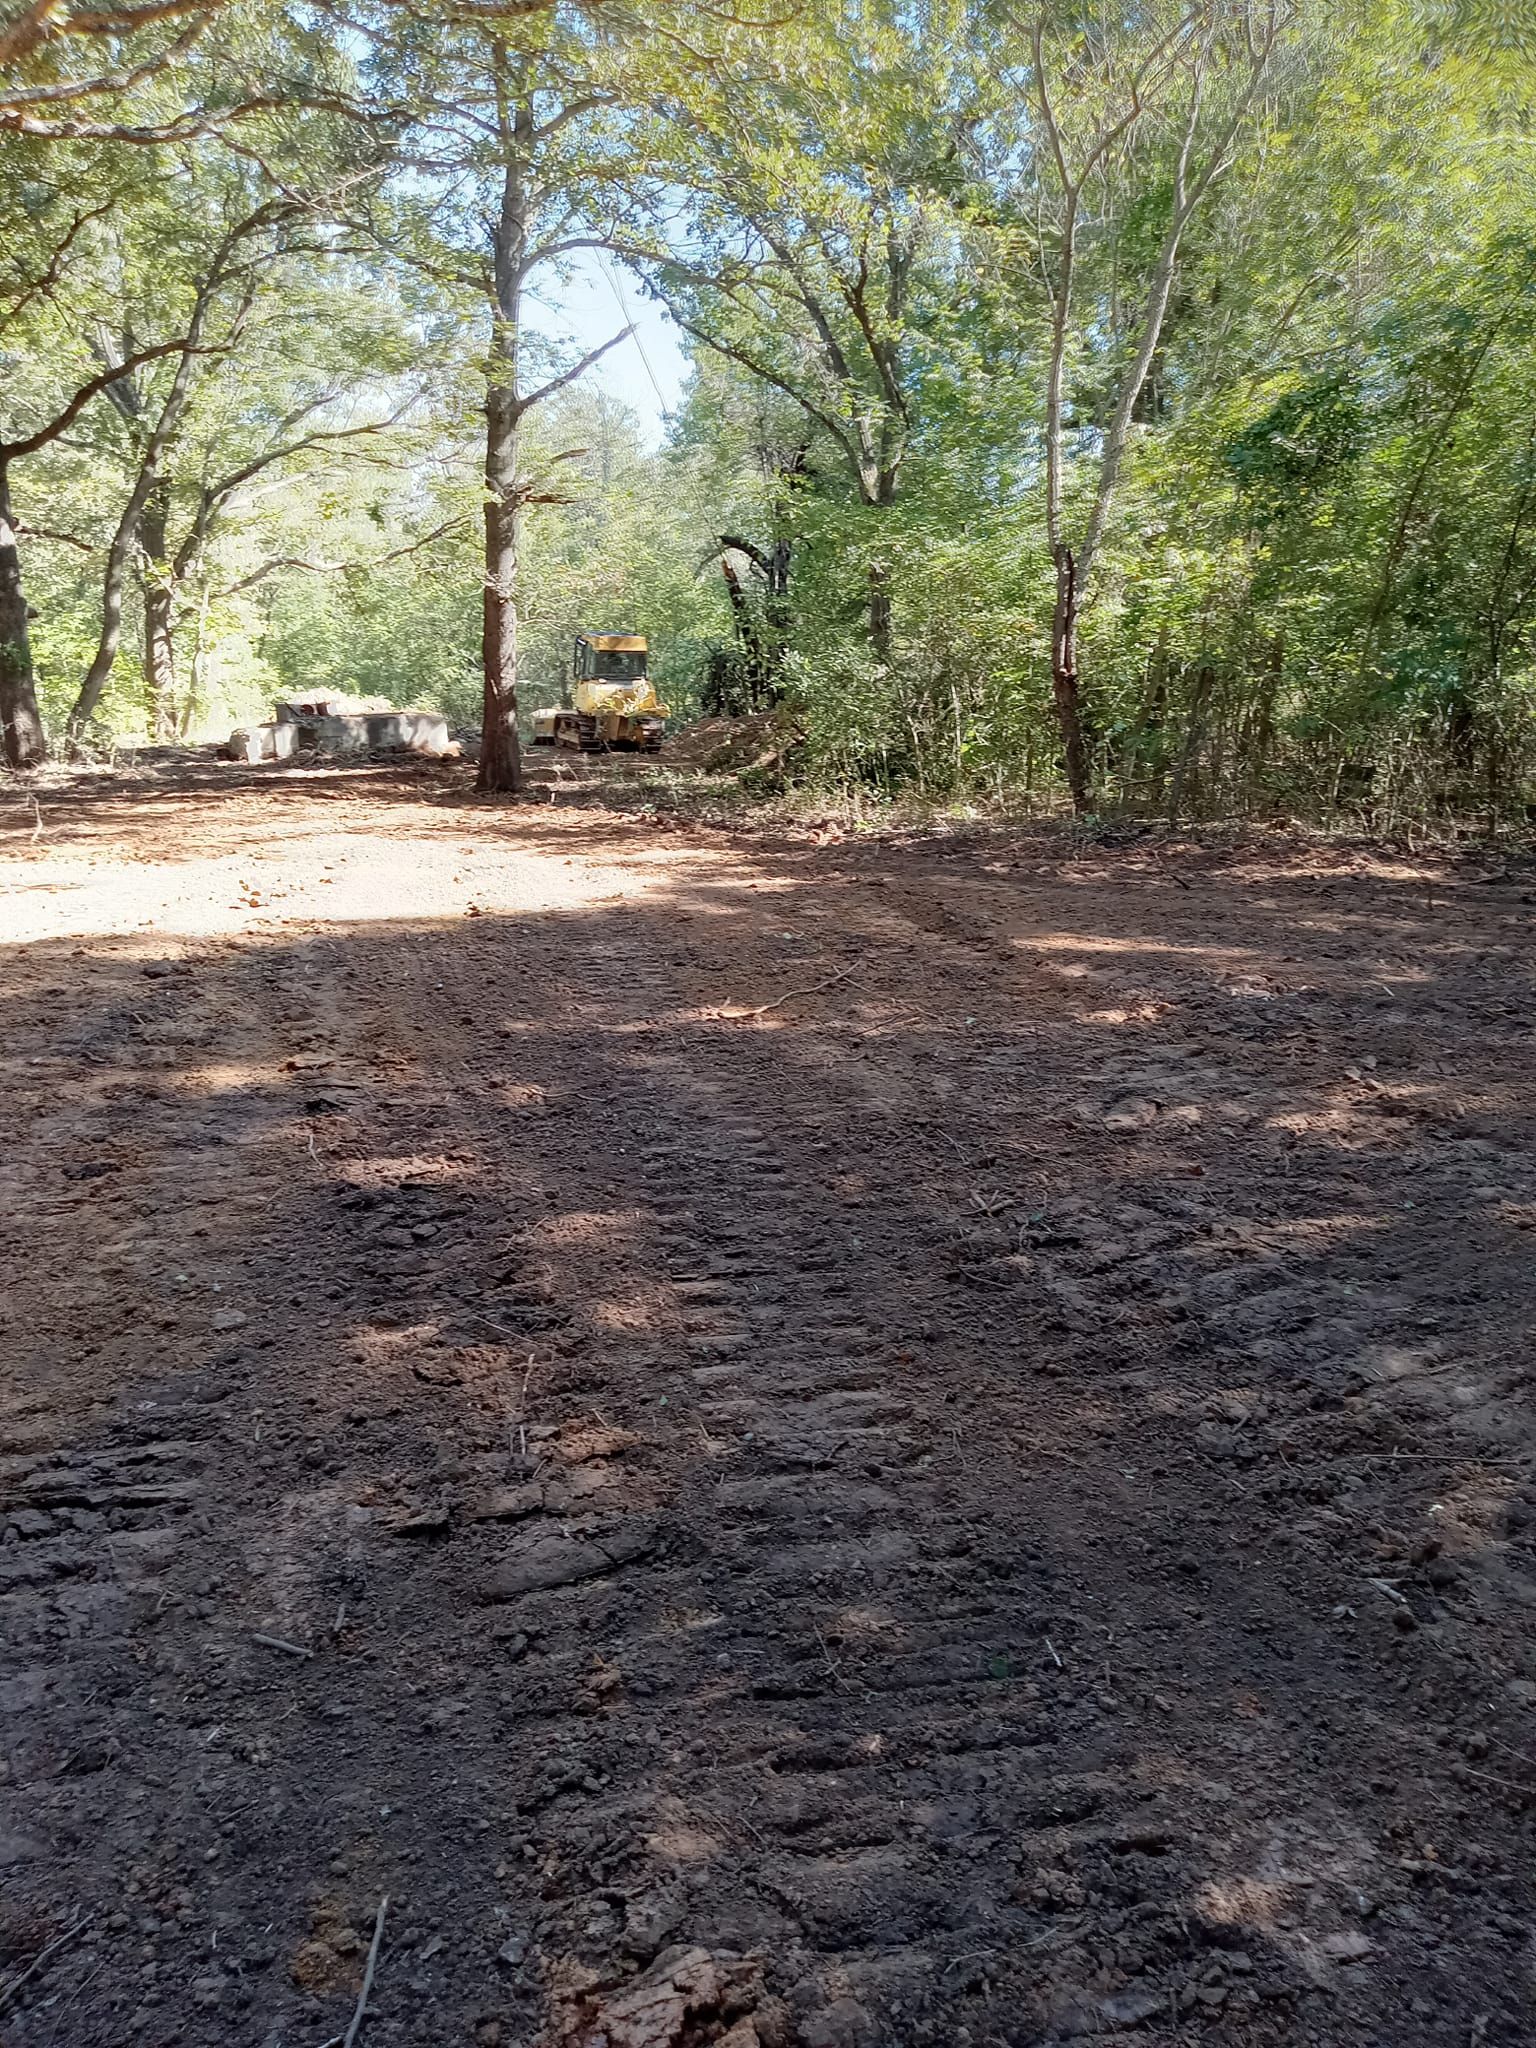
(821, 1528)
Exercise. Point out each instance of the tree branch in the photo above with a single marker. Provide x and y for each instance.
(40, 286)
(124, 80)
(323, 436)
(46, 21)
(733, 353)
(1187, 196)
(522, 406)
(64, 420)
(277, 562)
(745, 547)
(27, 531)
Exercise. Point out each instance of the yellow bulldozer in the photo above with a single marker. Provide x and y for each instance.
(612, 700)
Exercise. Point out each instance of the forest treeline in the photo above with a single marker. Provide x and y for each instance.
(1122, 406)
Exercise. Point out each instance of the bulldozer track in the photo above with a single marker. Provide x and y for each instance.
(819, 1521)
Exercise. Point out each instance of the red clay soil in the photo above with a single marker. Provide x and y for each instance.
(781, 1444)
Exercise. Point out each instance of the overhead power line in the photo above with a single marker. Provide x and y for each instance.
(629, 321)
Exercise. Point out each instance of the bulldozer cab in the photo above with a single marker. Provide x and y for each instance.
(612, 701)
(609, 658)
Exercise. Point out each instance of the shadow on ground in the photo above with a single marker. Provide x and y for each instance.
(843, 1448)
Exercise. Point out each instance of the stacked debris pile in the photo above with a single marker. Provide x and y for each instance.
(337, 726)
(723, 746)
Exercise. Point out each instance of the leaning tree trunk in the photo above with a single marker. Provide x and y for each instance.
(1064, 681)
(21, 727)
(113, 578)
(158, 595)
(755, 663)
(145, 487)
(501, 753)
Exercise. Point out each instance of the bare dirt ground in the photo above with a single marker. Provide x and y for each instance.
(846, 1445)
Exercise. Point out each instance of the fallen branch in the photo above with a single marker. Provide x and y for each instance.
(766, 1009)
(1504, 1784)
(373, 1957)
(40, 1958)
(500, 1330)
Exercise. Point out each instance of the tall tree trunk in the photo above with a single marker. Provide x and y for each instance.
(1074, 569)
(880, 614)
(501, 754)
(1194, 736)
(21, 727)
(1064, 682)
(777, 608)
(515, 252)
(158, 594)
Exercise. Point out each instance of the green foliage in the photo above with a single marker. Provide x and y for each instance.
(618, 551)
(1316, 582)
